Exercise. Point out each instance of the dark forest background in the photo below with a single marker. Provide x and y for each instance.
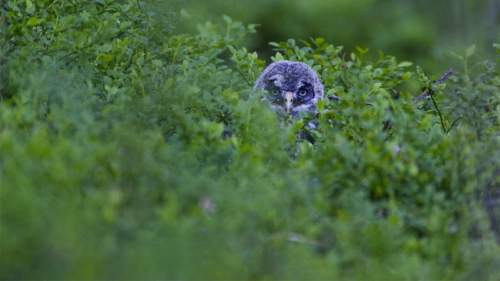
(423, 31)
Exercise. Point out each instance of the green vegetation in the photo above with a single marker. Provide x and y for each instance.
(423, 31)
(129, 150)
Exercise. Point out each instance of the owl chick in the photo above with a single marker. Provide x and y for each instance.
(291, 87)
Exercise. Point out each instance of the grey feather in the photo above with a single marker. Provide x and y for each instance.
(295, 82)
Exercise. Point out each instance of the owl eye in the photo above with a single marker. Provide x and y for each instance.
(302, 92)
(274, 93)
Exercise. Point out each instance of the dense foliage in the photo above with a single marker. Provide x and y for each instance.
(129, 151)
(424, 31)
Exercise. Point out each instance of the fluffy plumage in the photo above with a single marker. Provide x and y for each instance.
(291, 87)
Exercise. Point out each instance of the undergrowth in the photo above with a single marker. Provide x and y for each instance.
(128, 151)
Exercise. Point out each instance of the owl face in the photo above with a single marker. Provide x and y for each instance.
(291, 87)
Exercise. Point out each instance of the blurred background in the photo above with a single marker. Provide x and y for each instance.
(424, 31)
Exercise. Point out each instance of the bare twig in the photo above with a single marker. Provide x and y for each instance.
(445, 76)
(450, 72)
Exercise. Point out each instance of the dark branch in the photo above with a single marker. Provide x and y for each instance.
(445, 77)
(450, 72)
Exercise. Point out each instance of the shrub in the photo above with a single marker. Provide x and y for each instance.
(135, 152)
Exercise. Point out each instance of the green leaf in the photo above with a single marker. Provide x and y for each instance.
(227, 19)
(362, 50)
(319, 41)
(33, 21)
(30, 7)
(470, 51)
(405, 64)
(278, 57)
(457, 56)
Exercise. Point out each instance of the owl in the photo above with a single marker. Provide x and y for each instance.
(291, 87)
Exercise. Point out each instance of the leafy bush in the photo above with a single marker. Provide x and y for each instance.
(137, 153)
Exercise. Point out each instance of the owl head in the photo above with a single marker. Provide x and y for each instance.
(291, 87)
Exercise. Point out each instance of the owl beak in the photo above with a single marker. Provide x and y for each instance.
(288, 101)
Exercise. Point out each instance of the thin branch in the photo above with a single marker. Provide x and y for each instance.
(454, 123)
(445, 76)
(429, 92)
(443, 125)
(450, 72)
